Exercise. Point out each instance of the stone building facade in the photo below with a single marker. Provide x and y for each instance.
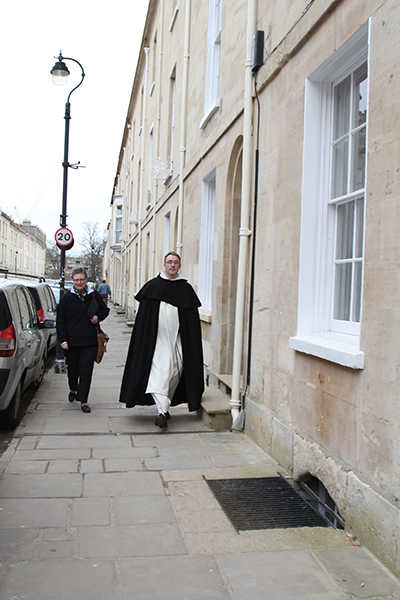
(320, 118)
(22, 247)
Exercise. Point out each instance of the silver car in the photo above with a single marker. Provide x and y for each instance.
(46, 306)
(23, 348)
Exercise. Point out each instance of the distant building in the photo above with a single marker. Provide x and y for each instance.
(23, 247)
(72, 262)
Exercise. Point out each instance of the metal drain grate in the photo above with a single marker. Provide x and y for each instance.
(264, 503)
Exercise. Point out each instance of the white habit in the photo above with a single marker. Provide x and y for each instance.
(167, 363)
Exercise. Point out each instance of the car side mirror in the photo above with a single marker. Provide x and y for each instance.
(48, 324)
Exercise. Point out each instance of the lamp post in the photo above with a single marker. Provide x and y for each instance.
(60, 74)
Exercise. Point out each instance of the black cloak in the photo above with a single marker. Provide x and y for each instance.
(179, 293)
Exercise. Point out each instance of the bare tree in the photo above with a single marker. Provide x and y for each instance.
(53, 256)
(93, 242)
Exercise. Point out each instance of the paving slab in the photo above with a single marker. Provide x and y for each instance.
(90, 511)
(123, 484)
(117, 465)
(41, 486)
(76, 422)
(50, 454)
(55, 543)
(192, 462)
(83, 441)
(22, 467)
(18, 513)
(359, 573)
(278, 576)
(63, 466)
(60, 579)
(91, 466)
(161, 539)
(18, 544)
(183, 577)
(142, 510)
(123, 452)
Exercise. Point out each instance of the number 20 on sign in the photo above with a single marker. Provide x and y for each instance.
(64, 237)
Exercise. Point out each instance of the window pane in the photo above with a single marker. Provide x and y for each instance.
(341, 309)
(358, 163)
(359, 228)
(360, 95)
(342, 108)
(344, 232)
(340, 168)
(23, 309)
(357, 292)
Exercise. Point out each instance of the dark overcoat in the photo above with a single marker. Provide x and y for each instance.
(73, 318)
(179, 293)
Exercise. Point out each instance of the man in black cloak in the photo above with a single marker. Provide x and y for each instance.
(165, 357)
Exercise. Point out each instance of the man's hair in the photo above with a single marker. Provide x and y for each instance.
(172, 254)
(79, 271)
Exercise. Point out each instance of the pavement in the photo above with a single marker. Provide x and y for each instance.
(108, 506)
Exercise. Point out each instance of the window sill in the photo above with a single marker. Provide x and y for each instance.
(337, 348)
(213, 109)
(205, 315)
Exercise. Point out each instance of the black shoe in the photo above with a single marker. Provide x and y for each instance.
(71, 396)
(85, 408)
(167, 416)
(161, 422)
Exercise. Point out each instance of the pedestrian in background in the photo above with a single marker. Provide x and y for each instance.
(78, 315)
(165, 357)
(104, 291)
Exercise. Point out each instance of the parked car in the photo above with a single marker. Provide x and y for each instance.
(46, 307)
(55, 288)
(23, 347)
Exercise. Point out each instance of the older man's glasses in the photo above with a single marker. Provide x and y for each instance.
(78, 280)
(172, 262)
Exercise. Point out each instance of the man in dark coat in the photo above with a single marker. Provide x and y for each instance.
(78, 315)
(165, 357)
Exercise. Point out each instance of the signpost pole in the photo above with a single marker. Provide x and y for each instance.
(64, 240)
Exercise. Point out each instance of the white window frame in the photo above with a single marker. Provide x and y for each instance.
(206, 246)
(172, 116)
(315, 334)
(150, 168)
(211, 99)
(118, 206)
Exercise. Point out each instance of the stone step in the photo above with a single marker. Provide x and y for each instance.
(215, 411)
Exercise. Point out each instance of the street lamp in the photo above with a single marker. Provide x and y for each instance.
(60, 74)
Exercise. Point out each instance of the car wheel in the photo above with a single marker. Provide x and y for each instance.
(40, 373)
(9, 417)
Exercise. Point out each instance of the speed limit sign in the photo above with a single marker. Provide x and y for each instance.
(64, 237)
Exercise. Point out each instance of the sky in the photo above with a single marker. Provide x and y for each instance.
(105, 38)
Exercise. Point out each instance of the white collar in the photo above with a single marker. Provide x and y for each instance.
(180, 277)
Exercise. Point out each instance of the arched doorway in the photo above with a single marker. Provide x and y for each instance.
(231, 255)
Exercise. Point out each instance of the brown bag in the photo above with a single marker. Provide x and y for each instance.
(102, 339)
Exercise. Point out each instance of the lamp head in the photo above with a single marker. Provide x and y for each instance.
(60, 72)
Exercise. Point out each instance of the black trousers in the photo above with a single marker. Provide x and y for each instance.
(80, 362)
